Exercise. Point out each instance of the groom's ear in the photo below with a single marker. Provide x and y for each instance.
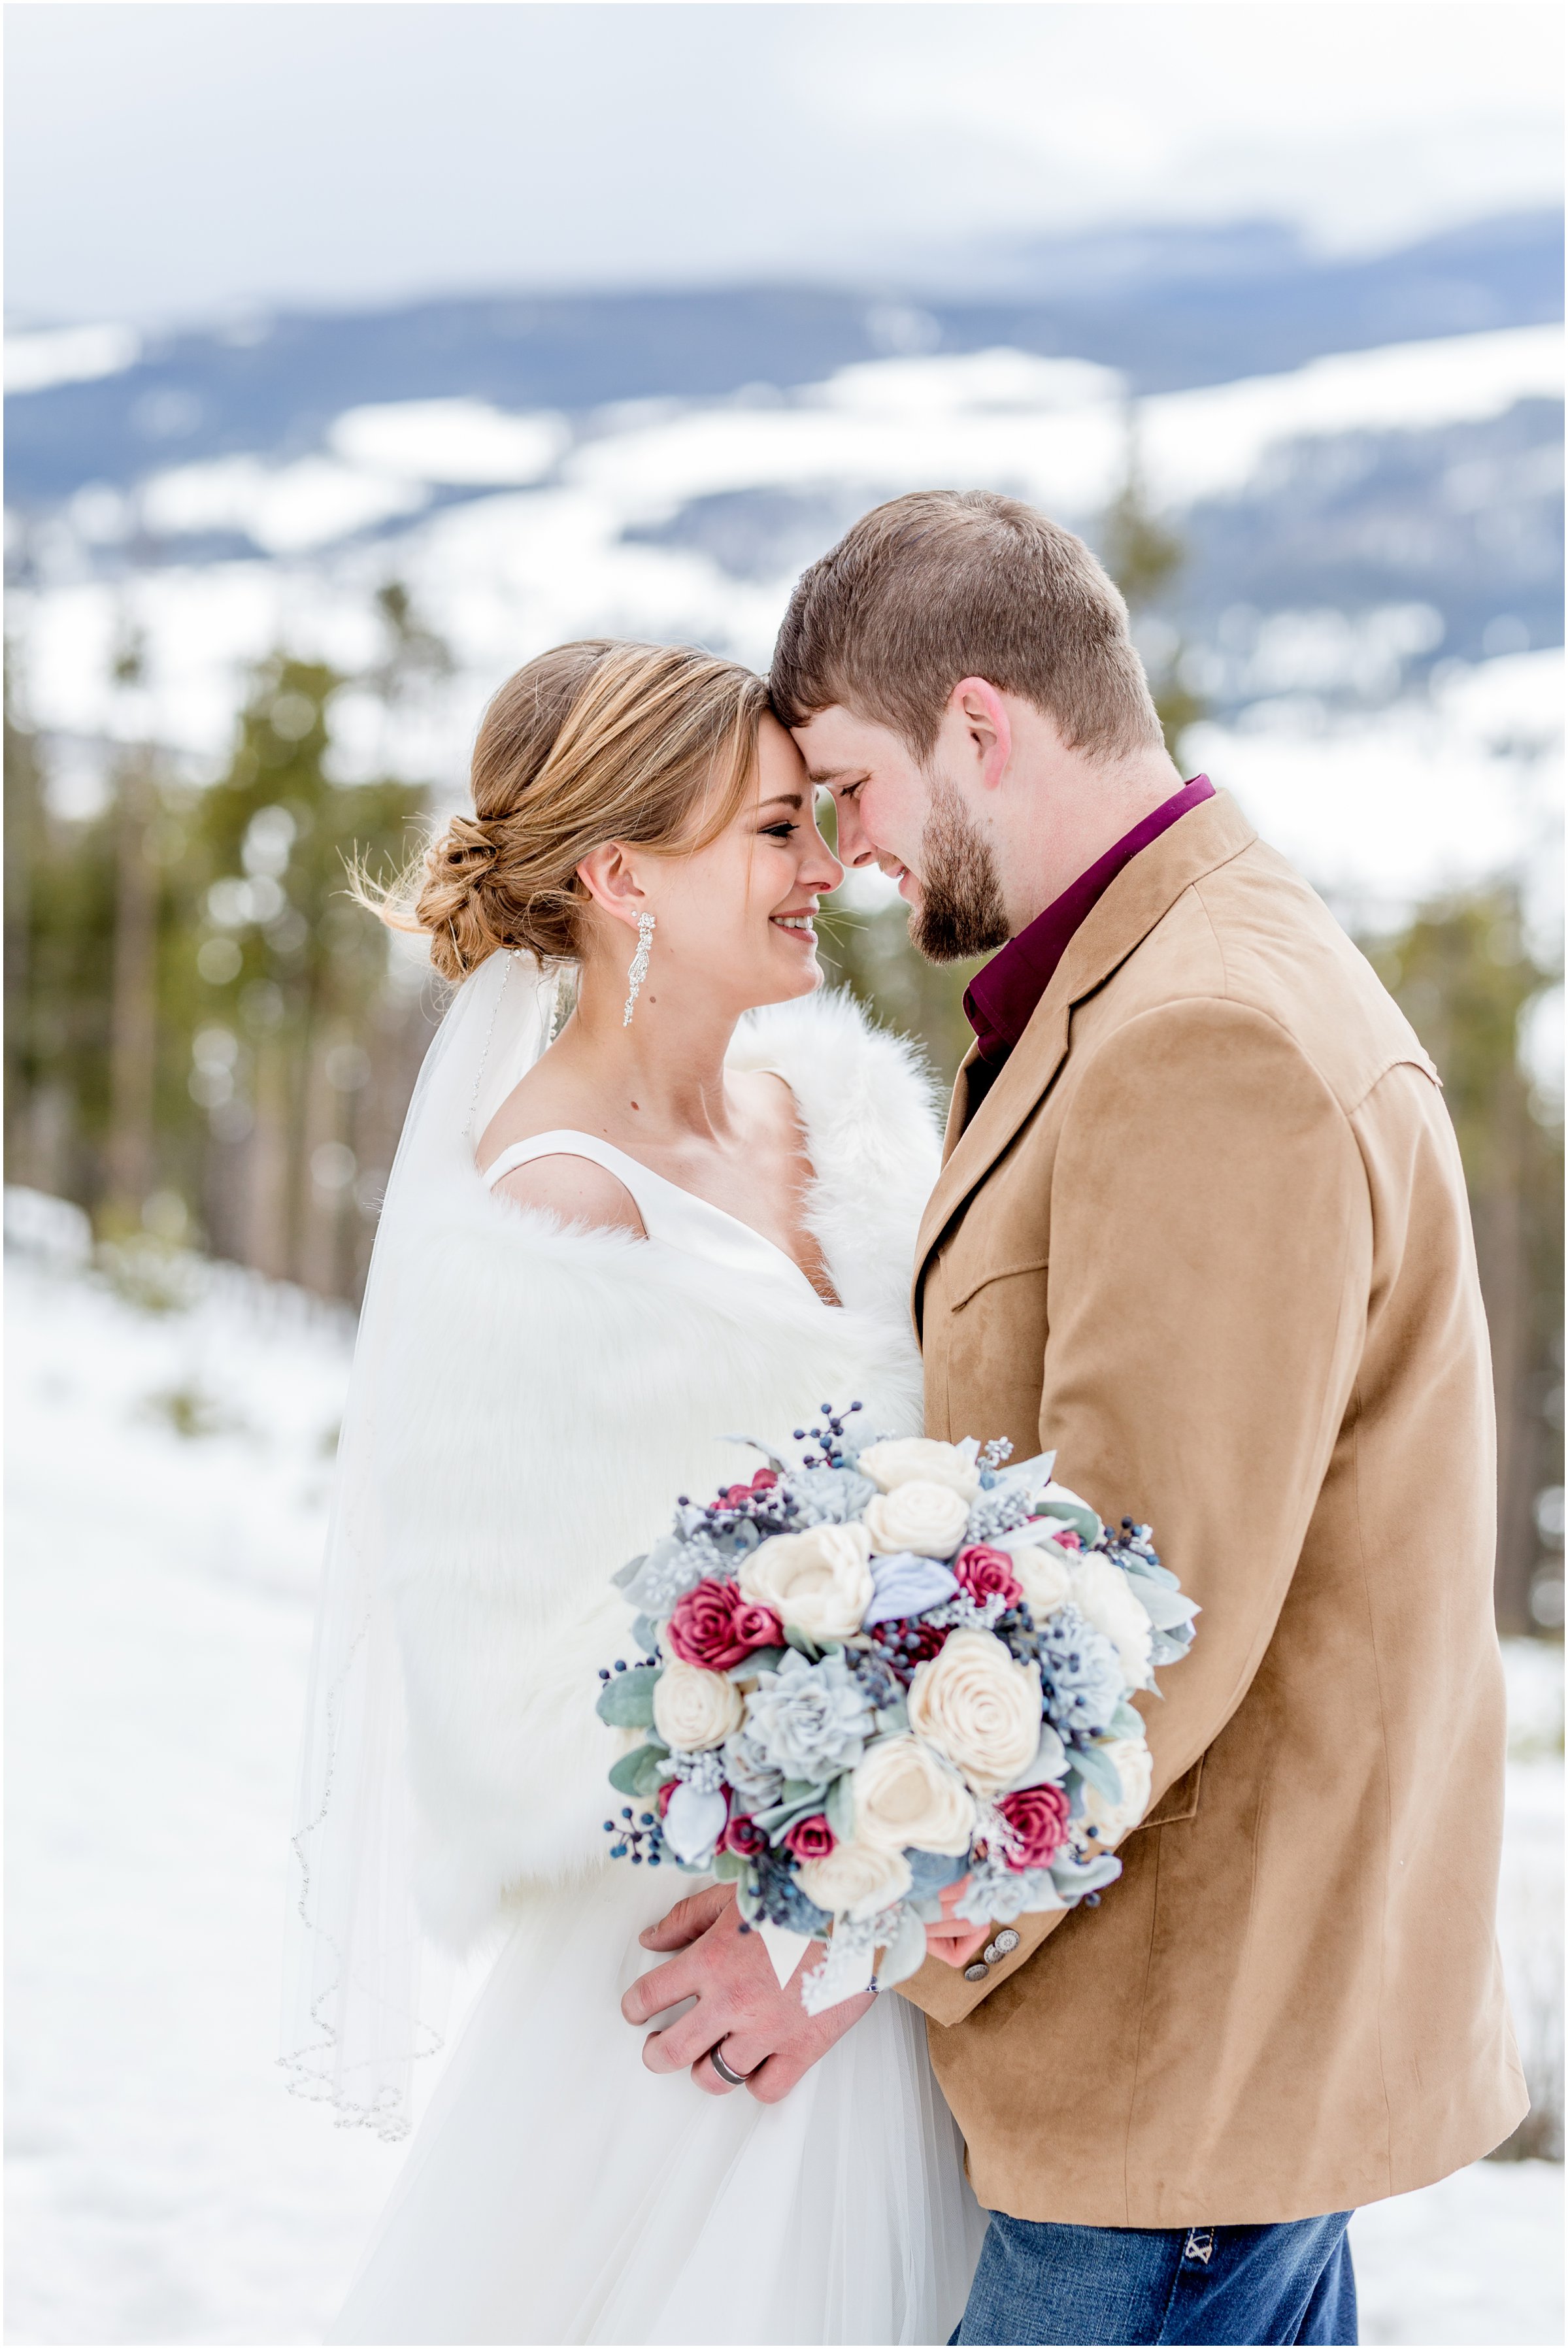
(979, 729)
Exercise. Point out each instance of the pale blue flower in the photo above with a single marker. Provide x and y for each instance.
(757, 1783)
(809, 1721)
(1081, 1674)
(827, 1497)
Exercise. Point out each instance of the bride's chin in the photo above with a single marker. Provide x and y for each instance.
(810, 976)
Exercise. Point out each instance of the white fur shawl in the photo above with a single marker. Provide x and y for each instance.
(549, 1392)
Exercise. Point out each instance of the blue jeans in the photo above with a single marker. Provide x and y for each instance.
(1211, 2284)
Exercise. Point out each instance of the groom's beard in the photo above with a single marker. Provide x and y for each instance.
(961, 912)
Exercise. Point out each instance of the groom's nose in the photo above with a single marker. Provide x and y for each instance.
(855, 844)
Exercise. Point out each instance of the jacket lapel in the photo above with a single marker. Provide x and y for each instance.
(1139, 898)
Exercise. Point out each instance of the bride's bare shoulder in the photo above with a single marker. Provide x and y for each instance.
(575, 1190)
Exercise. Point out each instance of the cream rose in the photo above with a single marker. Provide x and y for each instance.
(979, 1708)
(856, 1880)
(1101, 1591)
(693, 1709)
(929, 1520)
(1135, 1768)
(907, 1795)
(904, 1458)
(818, 1581)
(1044, 1571)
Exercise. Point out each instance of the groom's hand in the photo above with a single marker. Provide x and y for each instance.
(763, 2029)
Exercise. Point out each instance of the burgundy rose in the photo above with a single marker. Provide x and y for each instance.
(713, 1626)
(735, 1496)
(987, 1573)
(1037, 1820)
(744, 1835)
(811, 1838)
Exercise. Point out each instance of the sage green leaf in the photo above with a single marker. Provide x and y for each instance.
(1069, 1508)
(627, 1775)
(761, 1660)
(626, 1699)
(728, 1867)
(840, 1807)
(1126, 1722)
(808, 1648)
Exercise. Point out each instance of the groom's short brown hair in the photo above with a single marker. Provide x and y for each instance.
(948, 584)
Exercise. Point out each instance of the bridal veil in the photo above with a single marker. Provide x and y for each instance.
(366, 1991)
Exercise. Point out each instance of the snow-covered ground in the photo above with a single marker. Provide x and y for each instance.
(163, 2187)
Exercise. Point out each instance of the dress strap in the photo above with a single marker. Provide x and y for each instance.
(565, 1141)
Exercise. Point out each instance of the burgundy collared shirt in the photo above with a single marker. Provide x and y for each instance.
(1000, 999)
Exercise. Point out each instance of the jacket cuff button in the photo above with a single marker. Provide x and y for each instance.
(977, 1973)
(1005, 1943)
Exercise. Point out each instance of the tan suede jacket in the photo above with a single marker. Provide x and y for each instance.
(1207, 1238)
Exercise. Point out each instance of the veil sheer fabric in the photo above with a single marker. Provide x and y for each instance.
(366, 1992)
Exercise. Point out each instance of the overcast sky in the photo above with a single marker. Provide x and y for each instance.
(168, 161)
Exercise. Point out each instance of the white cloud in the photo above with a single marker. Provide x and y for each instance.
(167, 159)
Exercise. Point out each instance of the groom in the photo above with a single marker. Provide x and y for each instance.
(1202, 1230)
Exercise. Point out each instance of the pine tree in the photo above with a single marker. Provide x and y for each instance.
(1464, 973)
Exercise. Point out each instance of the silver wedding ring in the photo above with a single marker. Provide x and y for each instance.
(731, 2078)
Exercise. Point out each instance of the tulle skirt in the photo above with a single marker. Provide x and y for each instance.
(557, 2191)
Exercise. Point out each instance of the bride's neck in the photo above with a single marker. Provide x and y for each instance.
(667, 1065)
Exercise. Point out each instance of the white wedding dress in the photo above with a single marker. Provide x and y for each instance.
(571, 1382)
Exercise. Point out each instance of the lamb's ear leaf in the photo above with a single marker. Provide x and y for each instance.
(840, 1807)
(1095, 1766)
(1074, 1879)
(1146, 1569)
(626, 1699)
(1167, 1609)
(630, 1571)
(728, 1867)
(778, 1466)
(626, 1775)
(1125, 1723)
(808, 1648)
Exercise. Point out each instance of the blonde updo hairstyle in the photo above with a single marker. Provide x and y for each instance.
(653, 745)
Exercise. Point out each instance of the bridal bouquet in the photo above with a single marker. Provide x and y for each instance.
(887, 1693)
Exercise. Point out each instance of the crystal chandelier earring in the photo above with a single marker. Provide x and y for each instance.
(638, 970)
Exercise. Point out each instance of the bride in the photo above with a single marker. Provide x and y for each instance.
(690, 1217)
